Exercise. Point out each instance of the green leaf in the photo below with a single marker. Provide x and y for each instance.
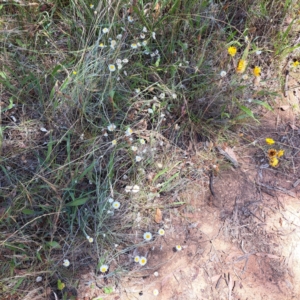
(53, 244)
(263, 103)
(3, 75)
(157, 62)
(248, 112)
(107, 290)
(174, 8)
(88, 169)
(78, 202)
(38, 255)
(27, 211)
(60, 285)
(165, 184)
(141, 15)
(10, 105)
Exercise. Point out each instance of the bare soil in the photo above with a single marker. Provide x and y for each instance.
(243, 242)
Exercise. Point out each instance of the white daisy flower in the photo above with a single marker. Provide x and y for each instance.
(125, 60)
(116, 204)
(118, 61)
(135, 189)
(39, 279)
(66, 263)
(128, 132)
(144, 43)
(112, 68)
(143, 261)
(142, 36)
(134, 148)
(161, 231)
(101, 45)
(138, 158)
(119, 36)
(103, 268)
(132, 189)
(148, 236)
(90, 239)
(137, 91)
(154, 35)
(105, 134)
(91, 6)
(119, 68)
(134, 45)
(110, 200)
(155, 274)
(111, 127)
(162, 96)
(155, 292)
(142, 141)
(114, 142)
(145, 29)
(178, 248)
(130, 19)
(258, 52)
(113, 44)
(105, 30)
(137, 259)
(223, 73)
(150, 110)
(174, 96)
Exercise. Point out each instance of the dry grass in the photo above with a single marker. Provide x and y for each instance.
(60, 162)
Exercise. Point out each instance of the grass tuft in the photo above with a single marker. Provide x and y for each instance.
(99, 105)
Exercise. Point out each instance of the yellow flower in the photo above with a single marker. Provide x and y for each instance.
(280, 153)
(272, 153)
(241, 67)
(270, 141)
(256, 71)
(273, 161)
(295, 63)
(74, 72)
(232, 51)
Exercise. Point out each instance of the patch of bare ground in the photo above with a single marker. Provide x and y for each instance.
(242, 242)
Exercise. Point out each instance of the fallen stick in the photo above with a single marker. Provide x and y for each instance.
(277, 188)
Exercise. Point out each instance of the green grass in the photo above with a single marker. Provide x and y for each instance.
(58, 165)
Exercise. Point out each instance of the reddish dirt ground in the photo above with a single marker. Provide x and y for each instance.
(242, 243)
